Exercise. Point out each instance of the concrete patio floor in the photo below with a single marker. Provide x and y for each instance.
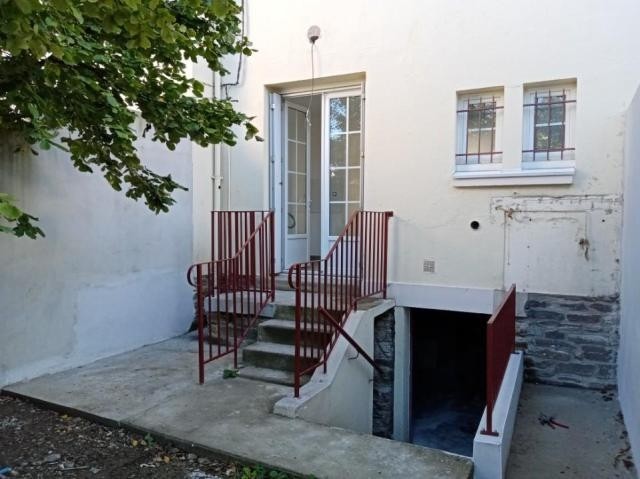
(594, 446)
(154, 389)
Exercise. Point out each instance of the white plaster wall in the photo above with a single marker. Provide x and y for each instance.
(629, 356)
(415, 56)
(108, 277)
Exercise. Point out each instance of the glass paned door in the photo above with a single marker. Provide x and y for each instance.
(296, 188)
(343, 160)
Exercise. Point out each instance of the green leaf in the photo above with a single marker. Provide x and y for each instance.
(9, 211)
(25, 6)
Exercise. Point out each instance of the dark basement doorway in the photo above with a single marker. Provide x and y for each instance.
(448, 354)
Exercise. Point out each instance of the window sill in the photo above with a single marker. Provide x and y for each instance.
(551, 176)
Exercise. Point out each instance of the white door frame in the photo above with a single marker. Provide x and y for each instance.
(327, 240)
(277, 161)
(286, 237)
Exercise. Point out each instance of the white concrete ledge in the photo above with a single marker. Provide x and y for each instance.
(551, 176)
(343, 397)
(490, 453)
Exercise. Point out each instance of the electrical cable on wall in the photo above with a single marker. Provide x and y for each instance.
(239, 70)
(312, 34)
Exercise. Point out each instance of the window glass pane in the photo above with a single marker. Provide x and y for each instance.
(292, 164)
(337, 186)
(302, 158)
(354, 113)
(301, 220)
(541, 138)
(486, 141)
(354, 149)
(488, 116)
(473, 117)
(557, 137)
(337, 218)
(557, 113)
(291, 124)
(473, 141)
(302, 189)
(354, 184)
(291, 186)
(542, 115)
(337, 147)
(337, 115)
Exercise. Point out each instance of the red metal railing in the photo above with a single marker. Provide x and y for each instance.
(501, 342)
(328, 290)
(234, 288)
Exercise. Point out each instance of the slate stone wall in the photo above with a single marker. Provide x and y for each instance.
(570, 340)
(384, 356)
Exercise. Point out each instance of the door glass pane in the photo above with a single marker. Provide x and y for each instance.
(351, 207)
(291, 218)
(302, 189)
(337, 147)
(291, 186)
(354, 149)
(337, 115)
(354, 184)
(301, 126)
(337, 187)
(291, 124)
(302, 158)
(292, 164)
(301, 219)
(337, 218)
(354, 113)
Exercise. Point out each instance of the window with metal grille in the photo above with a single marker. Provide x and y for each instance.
(479, 131)
(548, 122)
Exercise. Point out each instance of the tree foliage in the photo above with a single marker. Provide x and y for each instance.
(73, 73)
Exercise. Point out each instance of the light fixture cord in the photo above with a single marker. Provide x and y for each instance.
(313, 44)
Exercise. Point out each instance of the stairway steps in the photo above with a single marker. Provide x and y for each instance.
(273, 356)
(283, 331)
(275, 376)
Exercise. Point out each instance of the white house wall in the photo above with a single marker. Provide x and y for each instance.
(414, 57)
(629, 357)
(108, 277)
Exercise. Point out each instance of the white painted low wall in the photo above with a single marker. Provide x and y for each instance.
(490, 453)
(629, 355)
(108, 277)
(343, 397)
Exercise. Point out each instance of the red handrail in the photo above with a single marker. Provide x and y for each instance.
(328, 290)
(232, 291)
(501, 342)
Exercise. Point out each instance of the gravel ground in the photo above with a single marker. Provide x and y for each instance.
(41, 444)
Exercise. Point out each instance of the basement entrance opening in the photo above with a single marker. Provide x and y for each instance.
(448, 367)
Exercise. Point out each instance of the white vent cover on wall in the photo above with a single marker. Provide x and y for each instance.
(429, 266)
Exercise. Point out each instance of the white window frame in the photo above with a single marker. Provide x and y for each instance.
(528, 128)
(461, 130)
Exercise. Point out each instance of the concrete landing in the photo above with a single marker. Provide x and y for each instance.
(154, 389)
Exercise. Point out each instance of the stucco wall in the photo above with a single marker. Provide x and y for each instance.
(629, 357)
(415, 56)
(108, 277)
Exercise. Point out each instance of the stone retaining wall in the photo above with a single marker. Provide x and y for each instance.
(384, 356)
(570, 340)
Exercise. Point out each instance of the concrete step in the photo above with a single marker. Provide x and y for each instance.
(283, 331)
(282, 283)
(272, 356)
(274, 376)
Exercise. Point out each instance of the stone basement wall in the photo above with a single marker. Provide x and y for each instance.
(384, 356)
(570, 340)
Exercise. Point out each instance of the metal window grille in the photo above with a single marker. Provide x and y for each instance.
(549, 139)
(479, 117)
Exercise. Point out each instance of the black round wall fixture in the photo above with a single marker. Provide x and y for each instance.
(474, 225)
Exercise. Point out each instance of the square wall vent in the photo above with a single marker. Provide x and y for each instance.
(429, 266)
